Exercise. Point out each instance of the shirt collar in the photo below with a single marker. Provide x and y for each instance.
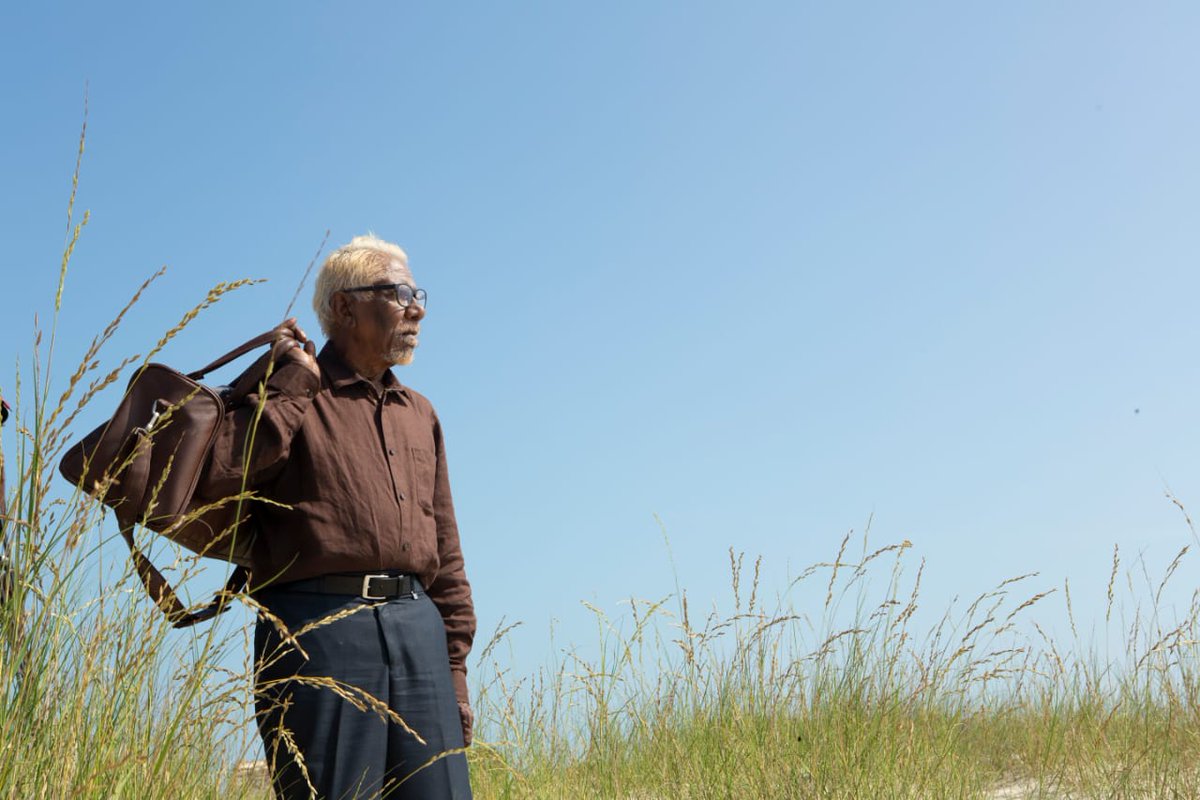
(340, 374)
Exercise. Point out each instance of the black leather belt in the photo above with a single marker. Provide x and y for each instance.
(369, 587)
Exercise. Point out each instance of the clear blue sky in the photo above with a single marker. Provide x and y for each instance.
(763, 269)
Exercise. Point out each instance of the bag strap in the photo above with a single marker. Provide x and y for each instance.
(240, 350)
(164, 595)
(137, 476)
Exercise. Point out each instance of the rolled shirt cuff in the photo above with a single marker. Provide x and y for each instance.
(294, 380)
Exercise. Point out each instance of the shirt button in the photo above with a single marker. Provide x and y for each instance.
(406, 547)
(391, 452)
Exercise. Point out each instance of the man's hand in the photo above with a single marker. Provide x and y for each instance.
(292, 345)
(468, 722)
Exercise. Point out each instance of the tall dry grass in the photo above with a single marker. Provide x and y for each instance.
(770, 700)
(97, 697)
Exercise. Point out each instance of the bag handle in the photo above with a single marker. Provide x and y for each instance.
(237, 352)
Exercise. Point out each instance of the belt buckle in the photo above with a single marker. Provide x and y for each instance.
(366, 588)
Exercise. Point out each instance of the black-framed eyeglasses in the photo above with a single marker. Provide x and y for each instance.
(402, 293)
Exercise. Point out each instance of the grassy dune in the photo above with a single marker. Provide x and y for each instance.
(770, 703)
(100, 701)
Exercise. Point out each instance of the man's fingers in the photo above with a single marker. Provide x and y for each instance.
(290, 329)
(293, 345)
(286, 348)
(468, 723)
(281, 347)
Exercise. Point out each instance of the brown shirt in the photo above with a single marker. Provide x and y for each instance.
(363, 473)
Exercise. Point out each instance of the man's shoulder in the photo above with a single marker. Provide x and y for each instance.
(419, 401)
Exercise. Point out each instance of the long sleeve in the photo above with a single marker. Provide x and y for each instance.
(450, 590)
(290, 391)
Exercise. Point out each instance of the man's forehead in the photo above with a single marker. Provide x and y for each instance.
(397, 272)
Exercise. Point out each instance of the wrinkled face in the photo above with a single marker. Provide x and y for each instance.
(382, 329)
(399, 325)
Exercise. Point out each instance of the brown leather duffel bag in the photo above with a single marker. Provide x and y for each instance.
(147, 459)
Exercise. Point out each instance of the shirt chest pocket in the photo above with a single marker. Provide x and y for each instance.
(424, 469)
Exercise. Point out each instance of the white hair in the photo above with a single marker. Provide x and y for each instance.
(358, 263)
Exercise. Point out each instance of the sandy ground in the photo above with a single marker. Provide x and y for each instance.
(1028, 790)
(1017, 790)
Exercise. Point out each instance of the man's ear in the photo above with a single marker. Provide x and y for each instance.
(342, 312)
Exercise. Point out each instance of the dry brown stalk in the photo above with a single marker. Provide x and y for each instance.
(354, 695)
(73, 233)
(883, 608)
(214, 294)
(1030, 602)
(976, 629)
(735, 570)
(280, 627)
(911, 608)
(1017, 579)
(836, 563)
(289, 741)
(1170, 571)
(824, 648)
(1070, 611)
(754, 586)
(308, 271)
(1186, 517)
(901, 546)
(1062, 670)
(1111, 580)
(1161, 644)
(89, 362)
(329, 619)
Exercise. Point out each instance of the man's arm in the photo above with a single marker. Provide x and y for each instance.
(450, 590)
(269, 422)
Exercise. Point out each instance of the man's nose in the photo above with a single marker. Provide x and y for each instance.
(414, 311)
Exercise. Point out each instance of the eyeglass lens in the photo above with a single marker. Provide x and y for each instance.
(405, 294)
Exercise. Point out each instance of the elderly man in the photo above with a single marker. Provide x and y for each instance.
(357, 561)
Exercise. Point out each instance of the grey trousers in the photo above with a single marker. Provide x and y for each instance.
(394, 650)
